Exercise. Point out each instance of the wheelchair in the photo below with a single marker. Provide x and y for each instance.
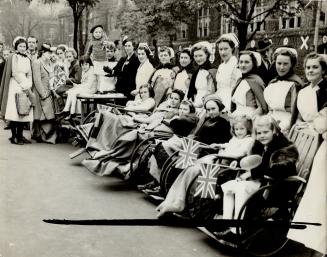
(138, 172)
(264, 219)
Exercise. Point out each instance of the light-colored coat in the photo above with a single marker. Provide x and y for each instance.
(44, 108)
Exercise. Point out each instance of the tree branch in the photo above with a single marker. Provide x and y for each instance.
(268, 10)
(252, 8)
(232, 8)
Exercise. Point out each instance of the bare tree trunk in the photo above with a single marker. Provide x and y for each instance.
(75, 34)
(80, 38)
(86, 27)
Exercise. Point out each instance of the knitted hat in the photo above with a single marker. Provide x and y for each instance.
(214, 98)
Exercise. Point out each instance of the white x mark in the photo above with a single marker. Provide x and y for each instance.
(304, 42)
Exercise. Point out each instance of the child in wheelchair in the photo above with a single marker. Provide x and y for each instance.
(241, 142)
(279, 157)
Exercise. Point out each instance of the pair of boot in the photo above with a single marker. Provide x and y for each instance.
(17, 133)
(19, 141)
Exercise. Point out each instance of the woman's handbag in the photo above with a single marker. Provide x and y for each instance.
(23, 103)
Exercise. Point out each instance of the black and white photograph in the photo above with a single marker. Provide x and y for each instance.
(161, 128)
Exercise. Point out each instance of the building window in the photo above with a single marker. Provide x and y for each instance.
(259, 16)
(290, 22)
(184, 29)
(226, 23)
(203, 22)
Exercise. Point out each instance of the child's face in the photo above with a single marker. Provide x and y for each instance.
(97, 33)
(240, 130)
(144, 93)
(183, 109)
(110, 53)
(264, 134)
(85, 66)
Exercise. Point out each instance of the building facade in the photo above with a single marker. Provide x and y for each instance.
(296, 31)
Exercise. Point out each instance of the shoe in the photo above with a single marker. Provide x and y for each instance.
(61, 115)
(152, 191)
(7, 127)
(149, 185)
(229, 239)
(13, 140)
(26, 141)
(20, 141)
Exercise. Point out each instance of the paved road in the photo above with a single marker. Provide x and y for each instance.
(39, 181)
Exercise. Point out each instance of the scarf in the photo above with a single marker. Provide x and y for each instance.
(24, 55)
(192, 90)
(165, 66)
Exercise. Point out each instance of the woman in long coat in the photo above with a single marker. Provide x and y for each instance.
(44, 127)
(19, 80)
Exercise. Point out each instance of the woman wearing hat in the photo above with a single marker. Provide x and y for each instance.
(125, 70)
(247, 95)
(18, 79)
(281, 92)
(145, 70)
(203, 79)
(228, 73)
(44, 113)
(215, 129)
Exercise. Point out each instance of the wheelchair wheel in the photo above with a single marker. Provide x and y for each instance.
(168, 177)
(165, 180)
(257, 236)
(139, 161)
(89, 118)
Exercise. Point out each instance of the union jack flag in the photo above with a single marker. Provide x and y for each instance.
(188, 155)
(206, 181)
